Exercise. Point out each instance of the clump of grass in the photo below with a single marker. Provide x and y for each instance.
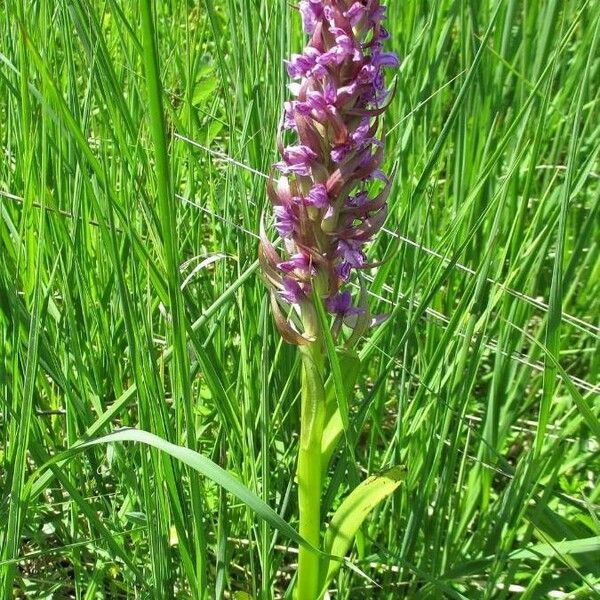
(483, 382)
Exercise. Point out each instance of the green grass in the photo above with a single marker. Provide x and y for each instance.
(134, 142)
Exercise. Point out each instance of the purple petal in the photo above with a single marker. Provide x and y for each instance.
(339, 153)
(351, 252)
(346, 92)
(299, 154)
(305, 108)
(379, 82)
(318, 196)
(288, 120)
(343, 270)
(340, 304)
(298, 262)
(383, 34)
(355, 13)
(311, 11)
(361, 133)
(377, 15)
(286, 169)
(385, 59)
(296, 159)
(292, 292)
(345, 48)
(331, 57)
(330, 92)
(367, 74)
(329, 15)
(319, 102)
(300, 65)
(346, 43)
(285, 221)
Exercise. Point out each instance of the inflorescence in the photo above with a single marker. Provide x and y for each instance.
(330, 196)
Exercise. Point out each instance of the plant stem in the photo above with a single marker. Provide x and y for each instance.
(309, 468)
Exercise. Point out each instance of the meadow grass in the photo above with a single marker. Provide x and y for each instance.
(136, 138)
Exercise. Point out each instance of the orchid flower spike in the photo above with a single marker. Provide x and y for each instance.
(330, 195)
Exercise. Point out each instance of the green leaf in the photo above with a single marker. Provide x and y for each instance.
(204, 89)
(582, 546)
(351, 514)
(350, 366)
(212, 131)
(584, 408)
(205, 467)
(336, 371)
(538, 552)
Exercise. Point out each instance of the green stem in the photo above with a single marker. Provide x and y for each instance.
(309, 468)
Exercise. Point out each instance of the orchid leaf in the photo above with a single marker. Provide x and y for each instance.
(352, 513)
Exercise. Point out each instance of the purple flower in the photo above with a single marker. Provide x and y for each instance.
(301, 65)
(343, 271)
(298, 262)
(285, 221)
(361, 133)
(297, 154)
(292, 292)
(339, 153)
(385, 59)
(305, 108)
(355, 13)
(379, 83)
(341, 305)
(367, 74)
(289, 122)
(383, 34)
(329, 15)
(351, 252)
(347, 91)
(343, 49)
(346, 44)
(297, 159)
(318, 196)
(377, 14)
(335, 56)
(311, 11)
(322, 102)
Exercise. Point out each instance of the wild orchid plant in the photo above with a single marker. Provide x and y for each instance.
(330, 199)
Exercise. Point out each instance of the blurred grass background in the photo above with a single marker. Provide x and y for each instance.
(129, 297)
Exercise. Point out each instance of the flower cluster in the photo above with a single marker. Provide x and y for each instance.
(330, 196)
